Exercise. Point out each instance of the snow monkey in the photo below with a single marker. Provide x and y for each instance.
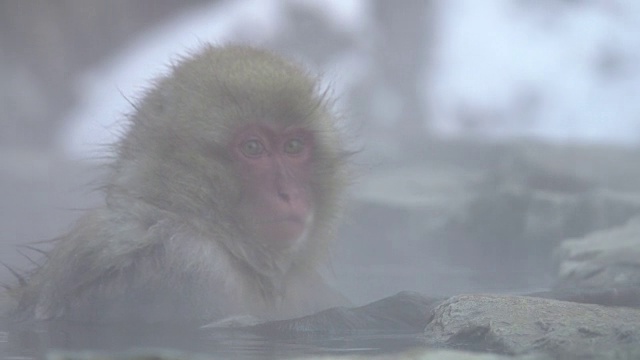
(221, 201)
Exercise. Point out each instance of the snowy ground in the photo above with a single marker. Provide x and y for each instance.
(553, 70)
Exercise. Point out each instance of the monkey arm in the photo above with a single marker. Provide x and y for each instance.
(103, 272)
(85, 263)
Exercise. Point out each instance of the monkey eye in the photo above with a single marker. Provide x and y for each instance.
(294, 146)
(252, 148)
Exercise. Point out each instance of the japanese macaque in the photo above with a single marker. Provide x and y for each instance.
(221, 202)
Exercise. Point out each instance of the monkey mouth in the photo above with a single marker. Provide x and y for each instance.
(282, 230)
(292, 219)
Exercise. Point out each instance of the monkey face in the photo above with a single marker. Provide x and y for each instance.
(275, 167)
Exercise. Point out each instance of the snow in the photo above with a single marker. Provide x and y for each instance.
(494, 59)
(107, 91)
(502, 68)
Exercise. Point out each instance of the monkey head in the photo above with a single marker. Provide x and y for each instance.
(238, 142)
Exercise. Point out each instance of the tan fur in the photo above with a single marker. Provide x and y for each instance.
(166, 246)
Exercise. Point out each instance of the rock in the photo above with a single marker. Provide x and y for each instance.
(410, 326)
(601, 166)
(517, 230)
(603, 259)
(404, 313)
(417, 354)
(150, 354)
(512, 325)
(609, 296)
(487, 216)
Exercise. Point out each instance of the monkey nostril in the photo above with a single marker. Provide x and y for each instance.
(284, 196)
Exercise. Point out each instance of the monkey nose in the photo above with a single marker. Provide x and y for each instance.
(287, 189)
(284, 196)
(288, 196)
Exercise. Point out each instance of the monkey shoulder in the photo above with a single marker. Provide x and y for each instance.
(113, 268)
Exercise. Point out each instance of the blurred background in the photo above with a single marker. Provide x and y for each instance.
(490, 132)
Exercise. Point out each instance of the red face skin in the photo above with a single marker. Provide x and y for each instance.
(275, 167)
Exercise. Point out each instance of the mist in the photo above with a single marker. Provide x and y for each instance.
(491, 135)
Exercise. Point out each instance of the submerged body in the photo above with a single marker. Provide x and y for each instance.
(221, 202)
